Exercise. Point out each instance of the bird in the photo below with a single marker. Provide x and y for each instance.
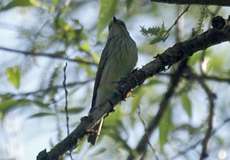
(118, 59)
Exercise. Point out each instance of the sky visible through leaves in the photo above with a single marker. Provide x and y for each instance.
(34, 121)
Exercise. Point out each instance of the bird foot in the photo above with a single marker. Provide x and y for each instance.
(91, 131)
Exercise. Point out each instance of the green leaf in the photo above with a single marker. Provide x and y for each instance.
(128, 3)
(17, 3)
(87, 69)
(113, 119)
(40, 104)
(20, 3)
(152, 82)
(154, 31)
(215, 63)
(14, 76)
(96, 57)
(165, 127)
(41, 114)
(107, 10)
(73, 110)
(85, 47)
(9, 104)
(55, 2)
(99, 151)
(195, 58)
(158, 33)
(136, 100)
(156, 40)
(186, 102)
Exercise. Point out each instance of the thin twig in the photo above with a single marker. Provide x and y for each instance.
(183, 152)
(66, 107)
(214, 131)
(178, 29)
(176, 21)
(215, 78)
(196, 2)
(145, 127)
(49, 89)
(66, 99)
(211, 97)
(206, 77)
(47, 55)
(174, 81)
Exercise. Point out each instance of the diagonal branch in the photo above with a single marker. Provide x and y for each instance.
(174, 81)
(177, 20)
(201, 2)
(172, 55)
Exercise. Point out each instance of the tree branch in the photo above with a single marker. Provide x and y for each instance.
(172, 55)
(208, 134)
(200, 2)
(66, 105)
(193, 146)
(177, 20)
(49, 89)
(46, 55)
(205, 77)
(174, 81)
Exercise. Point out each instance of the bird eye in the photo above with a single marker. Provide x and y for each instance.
(122, 24)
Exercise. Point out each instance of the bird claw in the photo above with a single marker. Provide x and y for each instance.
(129, 94)
(159, 56)
(91, 131)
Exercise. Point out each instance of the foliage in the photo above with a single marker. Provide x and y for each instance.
(74, 32)
(159, 33)
(107, 10)
(14, 76)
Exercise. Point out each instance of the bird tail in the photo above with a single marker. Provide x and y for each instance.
(96, 132)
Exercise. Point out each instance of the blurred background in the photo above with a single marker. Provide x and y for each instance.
(42, 38)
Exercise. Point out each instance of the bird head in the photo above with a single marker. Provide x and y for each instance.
(117, 27)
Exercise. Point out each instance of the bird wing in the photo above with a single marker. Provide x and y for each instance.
(104, 56)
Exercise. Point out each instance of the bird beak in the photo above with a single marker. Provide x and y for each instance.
(114, 19)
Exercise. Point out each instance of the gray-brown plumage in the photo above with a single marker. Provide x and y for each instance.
(118, 59)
